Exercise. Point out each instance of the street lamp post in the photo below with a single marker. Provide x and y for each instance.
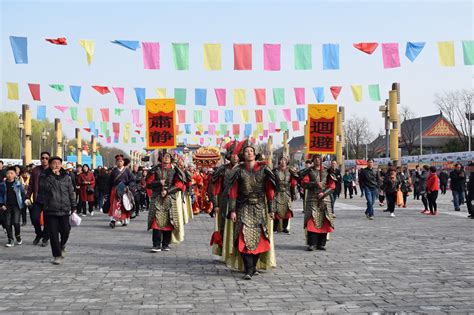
(44, 137)
(21, 126)
(470, 117)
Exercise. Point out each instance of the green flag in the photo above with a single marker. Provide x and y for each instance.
(180, 96)
(134, 140)
(181, 56)
(57, 87)
(278, 96)
(223, 129)
(374, 92)
(73, 113)
(118, 111)
(103, 127)
(303, 58)
(272, 115)
(468, 50)
(283, 125)
(198, 116)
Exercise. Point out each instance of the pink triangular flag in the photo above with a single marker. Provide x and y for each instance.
(119, 92)
(221, 96)
(62, 109)
(335, 90)
(287, 114)
(299, 95)
(105, 114)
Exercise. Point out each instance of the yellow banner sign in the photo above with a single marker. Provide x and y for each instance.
(321, 129)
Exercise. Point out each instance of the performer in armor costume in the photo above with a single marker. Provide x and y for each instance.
(120, 178)
(186, 198)
(220, 195)
(163, 217)
(250, 207)
(285, 193)
(318, 218)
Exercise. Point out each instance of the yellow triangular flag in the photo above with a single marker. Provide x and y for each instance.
(260, 128)
(245, 115)
(446, 54)
(357, 92)
(13, 93)
(200, 128)
(240, 97)
(88, 46)
(212, 56)
(89, 114)
(161, 92)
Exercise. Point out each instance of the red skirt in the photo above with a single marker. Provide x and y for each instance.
(116, 210)
(154, 226)
(263, 245)
(289, 215)
(326, 228)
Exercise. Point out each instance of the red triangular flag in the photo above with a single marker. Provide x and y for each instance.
(335, 90)
(368, 48)
(57, 41)
(35, 91)
(101, 89)
(138, 131)
(87, 129)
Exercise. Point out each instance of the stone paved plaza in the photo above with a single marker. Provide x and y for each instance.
(410, 263)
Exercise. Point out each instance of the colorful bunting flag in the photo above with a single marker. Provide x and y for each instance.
(295, 125)
(89, 114)
(260, 96)
(119, 93)
(223, 129)
(244, 114)
(220, 96)
(271, 57)
(187, 127)
(62, 109)
(181, 116)
(247, 130)
(374, 92)
(41, 112)
(35, 91)
(101, 89)
(236, 129)
(151, 55)
(197, 116)
(200, 97)
(335, 90)
(357, 91)
(12, 91)
(57, 41)
(300, 96)
(446, 54)
(300, 114)
(105, 114)
(258, 115)
(212, 57)
(135, 116)
(161, 92)
(283, 126)
(140, 93)
(278, 96)
(75, 92)
(413, 50)
(118, 111)
(181, 56)
(180, 96)
(116, 128)
(303, 57)
(272, 115)
(57, 87)
(211, 129)
(20, 49)
(88, 46)
(213, 116)
(104, 127)
(229, 116)
(271, 127)
(129, 44)
(330, 56)
(242, 56)
(287, 114)
(390, 55)
(319, 94)
(73, 111)
(468, 52)
(240, 97)
(368, 48)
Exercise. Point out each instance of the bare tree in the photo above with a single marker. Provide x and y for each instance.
(455, 105)
(358, 134)
(408, 132)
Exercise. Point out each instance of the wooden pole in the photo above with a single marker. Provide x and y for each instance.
(79, 146)
(93, 152)
(270, 151)
(59, 137)
(27, 134)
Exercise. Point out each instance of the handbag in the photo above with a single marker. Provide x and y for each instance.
(75, 220)
(399, 198)
(90, 190)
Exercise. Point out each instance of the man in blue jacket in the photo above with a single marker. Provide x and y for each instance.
(12, 196)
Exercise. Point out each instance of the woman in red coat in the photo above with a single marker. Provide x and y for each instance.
(86, 182)
(432, 187)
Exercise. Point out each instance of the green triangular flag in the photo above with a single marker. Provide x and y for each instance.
(303, 57)
(272, 115)
(118, 111)
(57, 87)
(468, 50)
(73, 111)
(374, 92)
(279, 96)
(181, 56)
(180, 96)
(283, 126)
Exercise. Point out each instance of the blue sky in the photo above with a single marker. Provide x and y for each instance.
(228, 22)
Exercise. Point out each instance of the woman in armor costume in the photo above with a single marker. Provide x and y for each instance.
(318, 217)
(285, 194)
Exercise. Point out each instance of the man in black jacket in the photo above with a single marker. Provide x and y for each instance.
(458, 182)
(368, 181)
(443, 181)
(57, 185)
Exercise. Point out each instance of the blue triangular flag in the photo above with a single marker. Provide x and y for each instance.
(41, 112)
(130, 44)
(140, 92)
(319, 93)
(75, 93)
(414, 49)
(19, 48)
